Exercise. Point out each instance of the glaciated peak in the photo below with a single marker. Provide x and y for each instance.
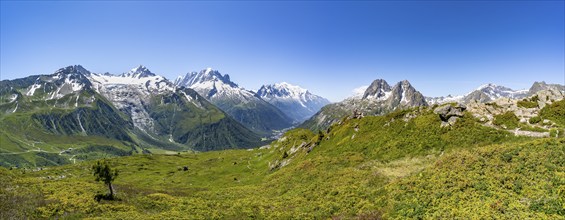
(206, 75)
(289, 87)
(207, 70)
(138, 72)
(491, 86)
(282, 89)
(494, 91)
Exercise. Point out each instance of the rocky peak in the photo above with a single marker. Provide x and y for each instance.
(494, 91)
(378, 89)
(205, 75)
(403, 93)
(539, 86)
(139, 72)
(73, 70)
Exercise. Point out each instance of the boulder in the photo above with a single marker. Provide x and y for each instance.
(447, 112)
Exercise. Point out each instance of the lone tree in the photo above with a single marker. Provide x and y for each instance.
(104, 173)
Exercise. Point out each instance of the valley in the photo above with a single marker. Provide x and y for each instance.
(361, 110)
(400, 165)
(181, 151)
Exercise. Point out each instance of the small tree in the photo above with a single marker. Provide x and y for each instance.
(104, 173)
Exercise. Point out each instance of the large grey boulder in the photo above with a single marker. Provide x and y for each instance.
(449, 114)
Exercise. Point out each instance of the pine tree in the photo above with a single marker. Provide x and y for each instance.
(104, 173)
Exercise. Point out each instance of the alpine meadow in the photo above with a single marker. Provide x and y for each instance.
(311, 110)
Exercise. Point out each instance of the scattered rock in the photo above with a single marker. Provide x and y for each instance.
(517, 132)
(358, 114)
(523, 120)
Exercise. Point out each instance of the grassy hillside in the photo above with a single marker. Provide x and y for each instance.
(402, 165)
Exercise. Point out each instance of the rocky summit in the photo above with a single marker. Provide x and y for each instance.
(379, 98)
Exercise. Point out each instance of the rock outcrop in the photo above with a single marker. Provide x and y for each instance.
(449, 114)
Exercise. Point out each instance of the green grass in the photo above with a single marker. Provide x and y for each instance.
(555, 112)
(501, 181)
(508, 120)
(529, 103)
(509, 181)
(375, 167)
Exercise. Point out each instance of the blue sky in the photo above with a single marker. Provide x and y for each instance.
(329, 48)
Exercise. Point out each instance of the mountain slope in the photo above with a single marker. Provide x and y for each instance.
(294, 101)
(176, 117)
(75, 114)
(379, 98)
(400, 165)
(42, 116)
(253, 112)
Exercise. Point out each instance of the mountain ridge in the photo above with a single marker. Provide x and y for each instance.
(295, 101)
(132, 112)
(243, 105)
(379, 98)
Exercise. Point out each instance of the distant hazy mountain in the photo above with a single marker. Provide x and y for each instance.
(490, 92)
(378, 98)
(296, 102)
(243, 105)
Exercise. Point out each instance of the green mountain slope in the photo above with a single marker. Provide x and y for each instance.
(202, 126)
(242, 105)
(63, 118)
(401, 165)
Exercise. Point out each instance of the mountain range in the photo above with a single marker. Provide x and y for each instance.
(296, 102)
(134, 112)
(130, 113)
(490, 92)
(413, 158)
(99, 115)
(380, 98)
(243, 105)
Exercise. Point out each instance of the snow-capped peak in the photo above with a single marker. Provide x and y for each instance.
(139, 72)
(205, 78)
(207, 70)
(294, 100)
(495, 91)
(139, 77)
(378, 90)
(283, 90)
(72, 70)
(488, 85)
(211, 84)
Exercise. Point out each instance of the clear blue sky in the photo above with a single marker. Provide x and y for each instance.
(329, 48)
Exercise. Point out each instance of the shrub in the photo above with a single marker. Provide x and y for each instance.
(508, 119)
(527, 104)
(535, 120)
(554, 112)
